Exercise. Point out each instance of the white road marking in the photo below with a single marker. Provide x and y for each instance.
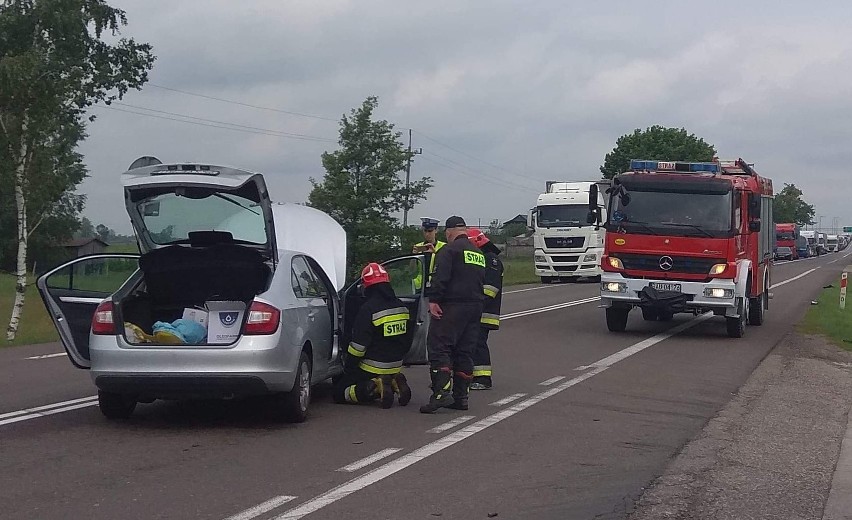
(449, 425)
(47, 356)
(260, 509)
(793, 279)
(552, 380)
(366, 461)
(48, 412)
(397, 465)
(507, 400)
(47, 407)
(530, 289)
(556, 307)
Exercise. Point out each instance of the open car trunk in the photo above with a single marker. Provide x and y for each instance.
(178, 277)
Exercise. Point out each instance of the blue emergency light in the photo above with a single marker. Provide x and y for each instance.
(673, 166)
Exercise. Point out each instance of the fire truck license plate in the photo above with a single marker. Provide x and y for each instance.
(662, 286)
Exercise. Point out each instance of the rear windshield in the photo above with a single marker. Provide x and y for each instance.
(170, 218)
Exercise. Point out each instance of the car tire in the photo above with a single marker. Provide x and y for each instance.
(116, 406)
(736, 326)
(649, 314)
(616, 318)
(294, 405)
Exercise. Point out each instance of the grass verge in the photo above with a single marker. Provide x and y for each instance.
(829, 320)
(35, 326)
(518, 271)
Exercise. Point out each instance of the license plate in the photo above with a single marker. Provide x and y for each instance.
(664, 286)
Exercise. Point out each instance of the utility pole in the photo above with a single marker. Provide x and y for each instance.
(407, 204)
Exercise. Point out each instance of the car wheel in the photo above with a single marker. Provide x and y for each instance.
(616, 318)
(116, 406)
(295, 403)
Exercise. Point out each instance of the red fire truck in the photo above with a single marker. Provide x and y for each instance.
(687, 237)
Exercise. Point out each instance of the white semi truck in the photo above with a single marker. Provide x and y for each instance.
(566, 245)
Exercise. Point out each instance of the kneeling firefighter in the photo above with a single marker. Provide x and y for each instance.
(493, 290)
(373, 362)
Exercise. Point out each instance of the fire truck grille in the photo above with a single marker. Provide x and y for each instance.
(679, 264)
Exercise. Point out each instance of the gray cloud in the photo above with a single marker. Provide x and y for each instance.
(540, 89)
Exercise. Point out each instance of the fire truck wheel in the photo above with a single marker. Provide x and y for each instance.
(736, 326)
(756, 307)
(649, 314)
(616, 318)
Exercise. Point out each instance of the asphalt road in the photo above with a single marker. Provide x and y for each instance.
(580, 420)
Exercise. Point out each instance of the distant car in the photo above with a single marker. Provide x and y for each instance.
(265, 279)
(804, 252)
(784, 253)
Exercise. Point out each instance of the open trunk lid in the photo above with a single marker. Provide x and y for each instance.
(183, 203)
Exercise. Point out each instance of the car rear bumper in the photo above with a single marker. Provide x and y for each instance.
(254, 365)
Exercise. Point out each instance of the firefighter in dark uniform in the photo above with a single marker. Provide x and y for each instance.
(455, 305)
(493, 291)
(373, 360)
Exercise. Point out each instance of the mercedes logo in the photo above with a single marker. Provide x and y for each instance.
(666, 263)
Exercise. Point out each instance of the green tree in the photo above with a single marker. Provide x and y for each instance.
(655, 143)
(361, 188)
(790, 207)
(54, 64)
(86, 229)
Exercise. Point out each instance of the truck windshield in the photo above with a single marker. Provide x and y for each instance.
(675, 213)
(568, 215)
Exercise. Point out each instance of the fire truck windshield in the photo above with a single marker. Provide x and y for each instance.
(566, 215)
(674, 213)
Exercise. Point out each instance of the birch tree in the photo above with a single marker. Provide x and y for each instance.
(57, 58)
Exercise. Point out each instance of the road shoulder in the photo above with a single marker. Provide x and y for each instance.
(772, 451)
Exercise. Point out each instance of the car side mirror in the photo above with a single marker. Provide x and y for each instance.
(754, 205)
(754, 226)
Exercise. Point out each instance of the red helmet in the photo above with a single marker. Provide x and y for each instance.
(477, 237)
(373, 274)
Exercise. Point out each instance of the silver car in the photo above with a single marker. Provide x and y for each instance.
(264, 280)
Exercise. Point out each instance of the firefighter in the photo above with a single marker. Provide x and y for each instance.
(430, 245)
(379, 342)
(455, 304)
(493, 291)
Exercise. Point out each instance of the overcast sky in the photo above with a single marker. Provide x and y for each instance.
(501, 95)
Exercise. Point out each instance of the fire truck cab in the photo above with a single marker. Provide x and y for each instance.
(688, 238)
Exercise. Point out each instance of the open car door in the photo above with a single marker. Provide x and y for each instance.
(73, 291)
(405, 273)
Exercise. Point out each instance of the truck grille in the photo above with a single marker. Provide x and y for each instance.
(680, 264)
(566, 259)
(564, 242)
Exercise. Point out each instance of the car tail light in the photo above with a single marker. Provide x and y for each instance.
(102, 321)
(262, 319)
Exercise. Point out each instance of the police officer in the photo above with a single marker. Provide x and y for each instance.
(455, 304)
(430, 245)
(493, 290)
(379, 342)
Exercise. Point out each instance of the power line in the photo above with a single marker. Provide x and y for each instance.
(505, 182)
(273, 133)
(499, 182)
(240, 103)
(290, 134)
(500, 168)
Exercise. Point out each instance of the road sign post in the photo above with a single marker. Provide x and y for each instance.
(843, 279)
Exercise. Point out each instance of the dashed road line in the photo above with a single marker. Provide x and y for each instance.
(507, 400)
(449, 425)
(48, 356)
(32, 411)
(366, 461)
(260, 509)
(551, 381)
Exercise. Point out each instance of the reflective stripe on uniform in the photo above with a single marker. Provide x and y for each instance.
(356, 349)
(490, 319)
(350, 395)
(490, 291)
(482, 370)
(380, 367)
(395, 314)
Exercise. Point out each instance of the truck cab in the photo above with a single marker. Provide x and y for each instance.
(566, 245)
(688, 237)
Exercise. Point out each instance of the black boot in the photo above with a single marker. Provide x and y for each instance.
(400, 386)
(461, 388)
(442, 385)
